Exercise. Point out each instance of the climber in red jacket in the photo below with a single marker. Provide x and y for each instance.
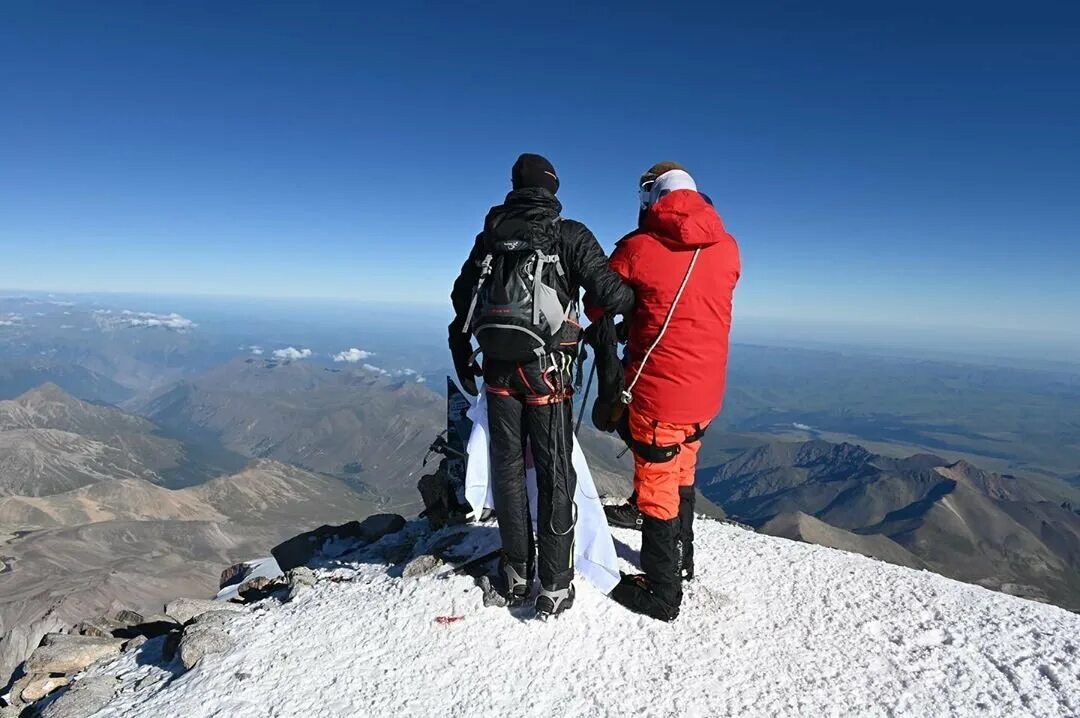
(684, 266)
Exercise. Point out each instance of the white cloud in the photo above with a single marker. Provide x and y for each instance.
(803, 427)
(256, 350)
(169, 321)
(353, 355)
(10, 320)
(292, 353)
(377, 370)
(130, 319)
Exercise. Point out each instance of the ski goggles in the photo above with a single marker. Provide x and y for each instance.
(644, 192)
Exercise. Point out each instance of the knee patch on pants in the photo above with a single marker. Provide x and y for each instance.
(657, 483)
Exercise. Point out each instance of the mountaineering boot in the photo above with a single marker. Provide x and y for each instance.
(515, 582)
(624, 516)
(553, 602)
(657, 593)
(686, 530)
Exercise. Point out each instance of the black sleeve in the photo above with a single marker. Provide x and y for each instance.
(588, 267)
(464, 287)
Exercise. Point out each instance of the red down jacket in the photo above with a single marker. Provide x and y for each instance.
(684, 380)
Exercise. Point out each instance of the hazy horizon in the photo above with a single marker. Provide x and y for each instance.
(425, 324)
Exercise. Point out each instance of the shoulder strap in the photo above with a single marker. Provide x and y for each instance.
(485, 270)
(628, 393)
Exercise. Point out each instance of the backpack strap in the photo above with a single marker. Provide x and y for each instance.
(538, 278)
(485, 270)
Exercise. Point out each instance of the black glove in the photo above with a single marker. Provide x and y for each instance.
(607, 414)
(601, 334)
(465, 364)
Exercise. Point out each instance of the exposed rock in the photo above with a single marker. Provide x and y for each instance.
(214, 619)
(101, 627)
(19, 642)
(34, 687)
(10, 712)
(130, 618)
(421, 565)
(135, 644)
(59, 637)
(234, 574)
(301, 549)
(84, 698)
(300, 580)
(259, 588)
(207, 635)
(302, 576)
(375, 527)
(333, 541)
(153, 626)
(63, 653)
(182, 610)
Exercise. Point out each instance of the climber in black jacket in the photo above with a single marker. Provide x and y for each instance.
(531, 400)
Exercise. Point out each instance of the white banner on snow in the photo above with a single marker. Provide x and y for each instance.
(594, 551)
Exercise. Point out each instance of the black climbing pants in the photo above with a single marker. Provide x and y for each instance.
(530, 406)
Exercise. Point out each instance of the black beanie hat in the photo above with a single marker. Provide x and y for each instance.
(534, 171)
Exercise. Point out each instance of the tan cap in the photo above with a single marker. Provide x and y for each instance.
(660, 168)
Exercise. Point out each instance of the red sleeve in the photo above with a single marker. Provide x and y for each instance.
(620, 264)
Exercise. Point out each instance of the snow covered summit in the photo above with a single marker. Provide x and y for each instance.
(770, 627)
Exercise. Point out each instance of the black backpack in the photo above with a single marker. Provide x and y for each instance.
(516, 312)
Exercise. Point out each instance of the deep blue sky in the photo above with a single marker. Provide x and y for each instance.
(894, 166)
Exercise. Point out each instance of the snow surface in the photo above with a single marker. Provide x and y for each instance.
(770, 627)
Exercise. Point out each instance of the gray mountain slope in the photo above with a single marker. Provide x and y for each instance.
(131, 543)
(995, 530)
(319, 419)
(802, 527)
(51, 442)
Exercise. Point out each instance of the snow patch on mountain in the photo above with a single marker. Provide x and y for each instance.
(769, 627)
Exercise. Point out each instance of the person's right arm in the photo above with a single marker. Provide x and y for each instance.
(461, 295)
(460, 341)
(589, 269)
(621, 265)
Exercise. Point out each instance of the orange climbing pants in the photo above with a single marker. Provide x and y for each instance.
(657, 484)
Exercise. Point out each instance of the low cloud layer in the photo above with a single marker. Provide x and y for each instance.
(292, 353)
(136, 320)
(353, 356)
(10, 320)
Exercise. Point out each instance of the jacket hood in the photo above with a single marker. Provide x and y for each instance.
(684, 220)
(522, 211)
(530, 200)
